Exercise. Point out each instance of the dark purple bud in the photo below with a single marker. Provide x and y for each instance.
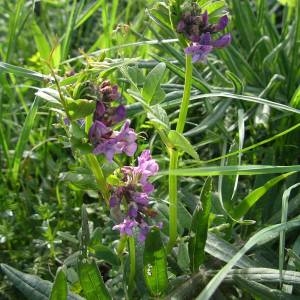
(223, 21)
(99, 112)
(132, 210)
(223, 41)
(205, 19)
(113, 201)
(205, 39)
(181, 26)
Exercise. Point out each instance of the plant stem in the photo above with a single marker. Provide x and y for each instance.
(186, 94)
(174, 154)
(132, 265)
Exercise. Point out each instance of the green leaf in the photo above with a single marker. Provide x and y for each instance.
(25, 73)
(60, 288)
(136, 75)
(232, 170)
(91, 281)
(80, 108)
(255, 195)
(291, 3)
(158, 117)
(85, 232)
(23, 139)
(152, 82)
(236, 81)
(199, 227)
(183, 259)
(104, 253)
(155, 263)
(182, 143)
(33, 287)
(262, 291)
(261, 237)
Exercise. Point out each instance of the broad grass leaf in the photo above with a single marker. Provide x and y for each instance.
(152, 82)
(155, 263)
(91, 281)
(261, 237)
(182, 143)
(262, 291)
(232, 170)
(244, 206)
(199, 227)
(60, 288)
(25, 73)
(33, 287)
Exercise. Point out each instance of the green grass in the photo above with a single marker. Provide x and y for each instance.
(239, 125)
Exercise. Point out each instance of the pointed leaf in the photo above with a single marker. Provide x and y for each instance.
(158, 117)
(199, 227)
(91, 281)
(152, 82)
(33, 287)
(60, 288)
(255, 195)
(80, 108)
(182, 143)
(155, 263)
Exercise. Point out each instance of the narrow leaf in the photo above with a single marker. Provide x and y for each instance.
(33, 287)
(155, 263)
(91, 281)
(182, 143)
(23, 139)
(255, 195)
(60, 288)
(199, 227)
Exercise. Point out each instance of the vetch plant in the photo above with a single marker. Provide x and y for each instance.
(166, 145)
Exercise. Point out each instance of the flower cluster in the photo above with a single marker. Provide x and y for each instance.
(133, 195)
(104, 139)
(199, 32)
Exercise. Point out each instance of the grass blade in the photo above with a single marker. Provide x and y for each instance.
(23, 139)
(199, 227)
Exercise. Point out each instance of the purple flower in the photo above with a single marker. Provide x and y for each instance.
(126, 140)
(126, 227)
(196, 28)
(144, 229)
(223, 41)
(110, 142)
(135, 190)
(99, 132)
(198, 51)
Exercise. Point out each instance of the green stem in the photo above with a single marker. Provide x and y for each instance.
(97, 171)
(174, 154)
(132, 265)
(186, 94)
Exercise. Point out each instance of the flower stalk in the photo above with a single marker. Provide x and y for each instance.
(174, 155)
